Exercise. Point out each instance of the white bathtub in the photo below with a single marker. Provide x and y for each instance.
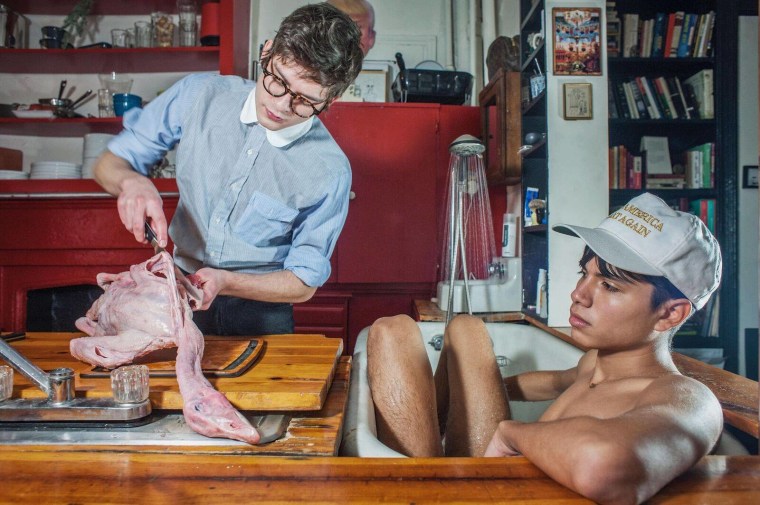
(526, 348)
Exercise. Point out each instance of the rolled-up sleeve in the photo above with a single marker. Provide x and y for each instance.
(152, 131)
(316, 234)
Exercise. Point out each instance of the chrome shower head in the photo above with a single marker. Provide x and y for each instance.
(466, 145)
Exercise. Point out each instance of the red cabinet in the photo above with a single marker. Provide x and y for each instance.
(390, 232)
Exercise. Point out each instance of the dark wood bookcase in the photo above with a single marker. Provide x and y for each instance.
(685, 133)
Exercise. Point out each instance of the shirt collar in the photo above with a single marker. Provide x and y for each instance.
(279, 138)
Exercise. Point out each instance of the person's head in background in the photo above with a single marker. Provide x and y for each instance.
(363, 14)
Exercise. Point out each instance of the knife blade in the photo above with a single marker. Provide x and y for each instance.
(194, 292)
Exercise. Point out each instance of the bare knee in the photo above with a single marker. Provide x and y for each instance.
(467, 333)
(393, 332)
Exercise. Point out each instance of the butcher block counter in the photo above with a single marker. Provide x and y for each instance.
(109, 476)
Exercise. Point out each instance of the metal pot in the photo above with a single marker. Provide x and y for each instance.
(64, 107)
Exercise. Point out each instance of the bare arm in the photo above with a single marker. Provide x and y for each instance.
(137, 198)
(537, 386)
(283, 286)
(625, 459)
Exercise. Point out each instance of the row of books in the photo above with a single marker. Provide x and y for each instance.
(668, 35)
(629, 169)
(661, 97)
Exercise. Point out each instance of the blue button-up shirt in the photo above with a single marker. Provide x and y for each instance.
(251, 200)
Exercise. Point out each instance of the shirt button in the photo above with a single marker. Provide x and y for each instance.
(250, 151)
(218, 220)
(213, 254)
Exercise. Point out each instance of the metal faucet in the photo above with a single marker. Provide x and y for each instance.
(58, 385)
(61, 403)
(497, 268)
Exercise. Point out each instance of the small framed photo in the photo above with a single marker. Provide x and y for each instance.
(749, 176)
(577, 101)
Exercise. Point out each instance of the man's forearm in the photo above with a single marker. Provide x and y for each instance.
(276, 287)
(111, 172)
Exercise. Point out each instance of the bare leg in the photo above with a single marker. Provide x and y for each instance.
(477, 399)
(401, 381)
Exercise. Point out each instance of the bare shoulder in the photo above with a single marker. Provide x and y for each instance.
(681, 395)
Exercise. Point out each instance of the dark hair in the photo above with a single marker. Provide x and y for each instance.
(325, 42)
(664, 290)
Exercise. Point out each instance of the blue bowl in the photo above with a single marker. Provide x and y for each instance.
(122, 102)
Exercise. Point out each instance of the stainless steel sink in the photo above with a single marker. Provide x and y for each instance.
(161, 429)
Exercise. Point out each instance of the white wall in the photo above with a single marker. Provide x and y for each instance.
(578, 188)
(416, 28)
(748, 198)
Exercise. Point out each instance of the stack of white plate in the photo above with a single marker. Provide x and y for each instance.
(55, 170)
(13, 174)
(94, 145)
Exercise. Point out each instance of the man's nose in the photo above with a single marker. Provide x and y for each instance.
(282, 103)
(581, 293)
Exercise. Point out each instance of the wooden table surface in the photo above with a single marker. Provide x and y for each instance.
(310, 433)
(737, 395)
(118, 476)
(292, 372)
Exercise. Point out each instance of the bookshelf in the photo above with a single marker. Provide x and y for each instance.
(662, 100)
(534, 158)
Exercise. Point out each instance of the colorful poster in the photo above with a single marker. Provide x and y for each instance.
(577, 41)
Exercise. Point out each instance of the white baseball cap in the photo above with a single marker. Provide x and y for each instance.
(647, 237)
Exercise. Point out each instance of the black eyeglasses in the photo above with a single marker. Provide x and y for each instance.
(299, 104)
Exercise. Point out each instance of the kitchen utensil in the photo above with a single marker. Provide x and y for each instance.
(192, 290)
(62, 110)
(61, 88)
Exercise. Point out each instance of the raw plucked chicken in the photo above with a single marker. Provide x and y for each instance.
(143, 310)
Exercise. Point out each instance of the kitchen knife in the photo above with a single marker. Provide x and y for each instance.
(195, 293)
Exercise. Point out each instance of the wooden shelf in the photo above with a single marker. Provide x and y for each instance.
(538, 99)
(536, 228)
(63, 7)
(621, 196)
(532, 57)
(670, 122)
(57, 127)
(535, 9)
(535, 147)
(91, 61)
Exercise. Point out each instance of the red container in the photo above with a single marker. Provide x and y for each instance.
(210, 24)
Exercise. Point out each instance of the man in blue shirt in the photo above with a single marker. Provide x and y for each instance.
(263, 186)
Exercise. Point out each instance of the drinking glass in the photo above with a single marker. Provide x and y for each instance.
(105, 103)
(142, 34)
(187, 22)
(119, 37)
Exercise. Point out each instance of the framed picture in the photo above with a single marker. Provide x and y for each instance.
(577, 41)
(749, 176)
(577, 100)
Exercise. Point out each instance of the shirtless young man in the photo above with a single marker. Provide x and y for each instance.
(624, 421)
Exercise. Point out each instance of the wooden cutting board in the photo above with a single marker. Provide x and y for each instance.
(292, 372)
(221, 358)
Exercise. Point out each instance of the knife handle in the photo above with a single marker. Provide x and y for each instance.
(152, 238)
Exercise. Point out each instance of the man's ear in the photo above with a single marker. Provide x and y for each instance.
(673, 313)
(265, 49)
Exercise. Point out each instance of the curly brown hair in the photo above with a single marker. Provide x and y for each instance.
(325, 42)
